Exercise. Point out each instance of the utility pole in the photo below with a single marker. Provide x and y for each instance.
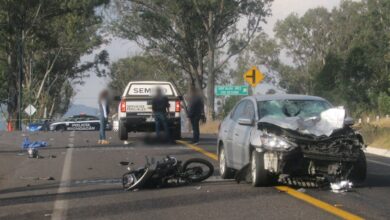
(20, 98)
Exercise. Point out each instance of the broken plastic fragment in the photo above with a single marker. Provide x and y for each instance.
(342, 186)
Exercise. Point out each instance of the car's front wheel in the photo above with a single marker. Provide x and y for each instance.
(359, 170)
(224, 170)
(259, 175)
(122, 132)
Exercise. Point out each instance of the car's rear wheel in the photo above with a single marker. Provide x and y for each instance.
(259, 175)
(224, 170)
(122, 132)
(61, 128)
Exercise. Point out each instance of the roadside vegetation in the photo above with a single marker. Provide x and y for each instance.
(376, 134)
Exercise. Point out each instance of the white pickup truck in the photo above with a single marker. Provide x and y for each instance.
(135, 108)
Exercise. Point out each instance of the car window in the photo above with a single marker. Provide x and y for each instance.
(249, 111)
(238, 111)
(290, 108)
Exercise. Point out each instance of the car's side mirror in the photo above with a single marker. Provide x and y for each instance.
(117, 98)
(180, 97)
(349, 121)
(245, 121)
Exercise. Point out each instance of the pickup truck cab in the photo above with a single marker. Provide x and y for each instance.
(135, 109)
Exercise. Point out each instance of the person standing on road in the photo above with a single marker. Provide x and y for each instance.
(104, 110)
(160, 107)
(195, 112)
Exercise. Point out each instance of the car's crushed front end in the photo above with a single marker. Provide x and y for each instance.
(297, 152)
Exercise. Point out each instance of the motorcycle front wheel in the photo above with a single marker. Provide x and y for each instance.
(135, 179)
(197, 169)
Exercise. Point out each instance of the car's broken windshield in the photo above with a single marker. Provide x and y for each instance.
(292, 108)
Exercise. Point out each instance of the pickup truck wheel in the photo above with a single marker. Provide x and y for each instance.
(176, 133)
(122, 132)
(259, 175)
(224, 170)
(359, 170)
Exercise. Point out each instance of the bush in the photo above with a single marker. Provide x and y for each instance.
(384, 103)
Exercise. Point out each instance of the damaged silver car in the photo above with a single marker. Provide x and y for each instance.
(278, 137)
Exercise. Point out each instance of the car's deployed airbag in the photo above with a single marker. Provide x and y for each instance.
(328, 121)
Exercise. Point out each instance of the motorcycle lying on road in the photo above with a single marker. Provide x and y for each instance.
(167, 172)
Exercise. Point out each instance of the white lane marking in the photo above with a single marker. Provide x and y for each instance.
(378, 162)
(60, 206)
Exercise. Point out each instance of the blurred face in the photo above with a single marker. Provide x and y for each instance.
(159, 91)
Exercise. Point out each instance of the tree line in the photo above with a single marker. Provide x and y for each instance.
(41, 42)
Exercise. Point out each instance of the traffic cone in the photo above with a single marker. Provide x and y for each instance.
(9, 127)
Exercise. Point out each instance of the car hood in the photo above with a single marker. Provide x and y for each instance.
(323, 125)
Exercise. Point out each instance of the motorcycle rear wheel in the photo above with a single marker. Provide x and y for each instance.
(197, 174)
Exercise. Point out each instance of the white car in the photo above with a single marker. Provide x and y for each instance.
(135, 108)
(290, 136)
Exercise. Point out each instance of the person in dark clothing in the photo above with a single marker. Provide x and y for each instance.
(160, 107)
(104, 110)
(195, 112)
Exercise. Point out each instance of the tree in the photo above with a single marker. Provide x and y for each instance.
(187, 31)
(143, 68)
(340, 54)
(307, 40)
(45, 39)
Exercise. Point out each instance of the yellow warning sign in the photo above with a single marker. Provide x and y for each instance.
(253, 76)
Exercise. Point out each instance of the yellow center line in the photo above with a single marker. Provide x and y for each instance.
(290, 191)
(200, 150)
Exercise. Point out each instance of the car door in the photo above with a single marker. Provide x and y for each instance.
(241, 135)
(229, 129)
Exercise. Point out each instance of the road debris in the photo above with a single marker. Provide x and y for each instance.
(302, 190)
(32, 147)
(198, 187)
(342, 186)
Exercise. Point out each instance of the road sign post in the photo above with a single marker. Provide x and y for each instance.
(253, 76)
(231, 90)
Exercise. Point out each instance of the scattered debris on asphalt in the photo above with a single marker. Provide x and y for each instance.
(342, 186)
(198, 187)
(302, 190)
(32, 147)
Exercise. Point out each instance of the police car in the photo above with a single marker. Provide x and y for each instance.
(78, 123)
(135, 108)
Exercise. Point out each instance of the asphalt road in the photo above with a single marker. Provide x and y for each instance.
(78, 179)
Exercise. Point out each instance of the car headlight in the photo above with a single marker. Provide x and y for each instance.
(272, 141)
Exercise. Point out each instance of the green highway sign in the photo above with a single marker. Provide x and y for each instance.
(231, 90)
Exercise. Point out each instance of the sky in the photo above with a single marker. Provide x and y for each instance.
(120, 48)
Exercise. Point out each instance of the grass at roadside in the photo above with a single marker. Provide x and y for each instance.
(377, 134)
